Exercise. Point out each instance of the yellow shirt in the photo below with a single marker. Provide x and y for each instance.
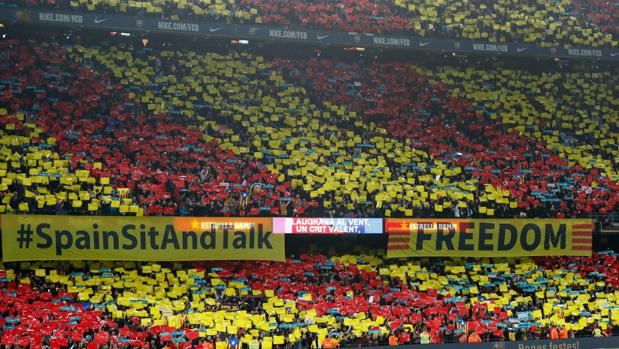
(424, 338)
(253, 344)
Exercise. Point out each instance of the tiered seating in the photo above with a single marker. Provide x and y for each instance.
(530, 173)
(604, 13)
(356, 299)
(37, 175)
(337, 163)
(573, 114)
(113, 152)
(162, 132)
(546, 23)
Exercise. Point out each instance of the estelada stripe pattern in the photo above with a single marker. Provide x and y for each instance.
(581, 236)
(399, 235)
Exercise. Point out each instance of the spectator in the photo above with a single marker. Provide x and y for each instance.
(474, 338)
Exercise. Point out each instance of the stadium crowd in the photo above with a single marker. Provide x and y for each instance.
(549, 24)
(104, 156)
(467, 132)
(123, 129)
(306, 302)
(118, 129)
(604, 13)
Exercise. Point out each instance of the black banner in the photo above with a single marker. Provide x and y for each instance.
(262, 32)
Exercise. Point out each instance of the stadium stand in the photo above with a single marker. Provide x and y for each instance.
(564, 161)
(104, 158)
(36, 177)
(605, 14)
(462, 180)
(122, 128)
(353, 300)
(577, 119)
(271, 120)
(232, 134)
(549, 24)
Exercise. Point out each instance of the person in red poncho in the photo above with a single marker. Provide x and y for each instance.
(330, 343)
(393, 340)
(405, 337)
(554, 333)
